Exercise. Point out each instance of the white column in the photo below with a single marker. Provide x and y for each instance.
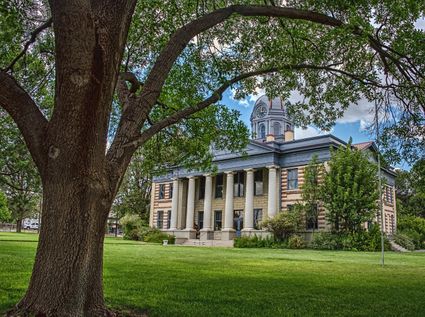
(228, 207)
(190, 211)
(272, 199)
(174, 204)
(207, 202)
(249, 200)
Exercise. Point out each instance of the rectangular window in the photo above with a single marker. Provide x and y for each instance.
(258, 183)
(258, 217)
(312, 222)
(160, 219)
(200, 220)
(170, 191)
(293, 178)
(219, 186)
(161, 191)
(217, 220)
(239, 180)
(201, 194)
(169, 219)
(388, 195)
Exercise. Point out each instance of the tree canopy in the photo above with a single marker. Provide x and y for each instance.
(311, 191)
(4, 210)
(350, 190)
(89, 82)
(410, 188)
(332, 53)
(19, 178)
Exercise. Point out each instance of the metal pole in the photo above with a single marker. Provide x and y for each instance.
(379, 184)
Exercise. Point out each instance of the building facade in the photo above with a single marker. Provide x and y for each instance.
(247, 189)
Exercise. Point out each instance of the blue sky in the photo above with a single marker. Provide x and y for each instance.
(352, 124)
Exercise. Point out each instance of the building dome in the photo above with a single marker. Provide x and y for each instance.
(269, 119)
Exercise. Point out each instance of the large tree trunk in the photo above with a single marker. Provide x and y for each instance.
(78, 182)
(67, 274)
(18, 225)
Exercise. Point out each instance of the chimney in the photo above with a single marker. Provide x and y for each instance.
(270, 138)
(289, 135)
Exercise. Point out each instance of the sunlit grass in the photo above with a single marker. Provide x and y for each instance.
(185, 281)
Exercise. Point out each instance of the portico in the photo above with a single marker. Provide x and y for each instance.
(223, 205)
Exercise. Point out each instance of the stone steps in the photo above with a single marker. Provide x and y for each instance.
(396, 247)
(208, 243)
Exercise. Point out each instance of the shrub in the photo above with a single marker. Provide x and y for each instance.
(358, 241)
(285, 224)
(413, 227)
(296, 242)
(154, 235)
(404, 241)
(325, 241)
(134, 230)
(374, 240)
(258, 242)
(132, 227)
(133, 234)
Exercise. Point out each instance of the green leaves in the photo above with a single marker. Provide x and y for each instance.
(5, 214)
(19, 178)
(350, 190)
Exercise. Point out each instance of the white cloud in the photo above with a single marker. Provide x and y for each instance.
(301, 133)
(249, 100)
(361, 112)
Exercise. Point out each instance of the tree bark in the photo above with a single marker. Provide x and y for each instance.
(67, 273)
(77, 191)
(18, 225)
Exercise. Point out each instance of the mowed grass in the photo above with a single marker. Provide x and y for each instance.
(187, 281)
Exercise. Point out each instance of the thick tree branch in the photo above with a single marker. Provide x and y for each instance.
(216, 96)
(27, 116)
(181, 38)
(125, 94)
(135, 117)
(32, 39)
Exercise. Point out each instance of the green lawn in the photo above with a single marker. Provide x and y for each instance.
(185, 281)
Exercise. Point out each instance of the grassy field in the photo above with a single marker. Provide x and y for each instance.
(184, 281)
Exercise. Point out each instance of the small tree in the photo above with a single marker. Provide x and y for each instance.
(285, 224)
(311, 190)
(350, 190)
(4, 211)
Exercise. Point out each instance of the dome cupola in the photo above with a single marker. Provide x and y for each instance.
(269, 120)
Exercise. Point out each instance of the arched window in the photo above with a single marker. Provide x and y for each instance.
(262, 131)
(288, 127)
(276, 129)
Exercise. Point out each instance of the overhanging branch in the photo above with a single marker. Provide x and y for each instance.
(217, 94)
(28, 117)
(32, 39)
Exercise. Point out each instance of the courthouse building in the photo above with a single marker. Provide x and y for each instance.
(246, 189)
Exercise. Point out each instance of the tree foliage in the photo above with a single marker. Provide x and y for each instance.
(88, 83)
(133, 198)
(19, 178)
(410, 189)
(4, 210)
(285, 224)
(350, 190)
(311, 190)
